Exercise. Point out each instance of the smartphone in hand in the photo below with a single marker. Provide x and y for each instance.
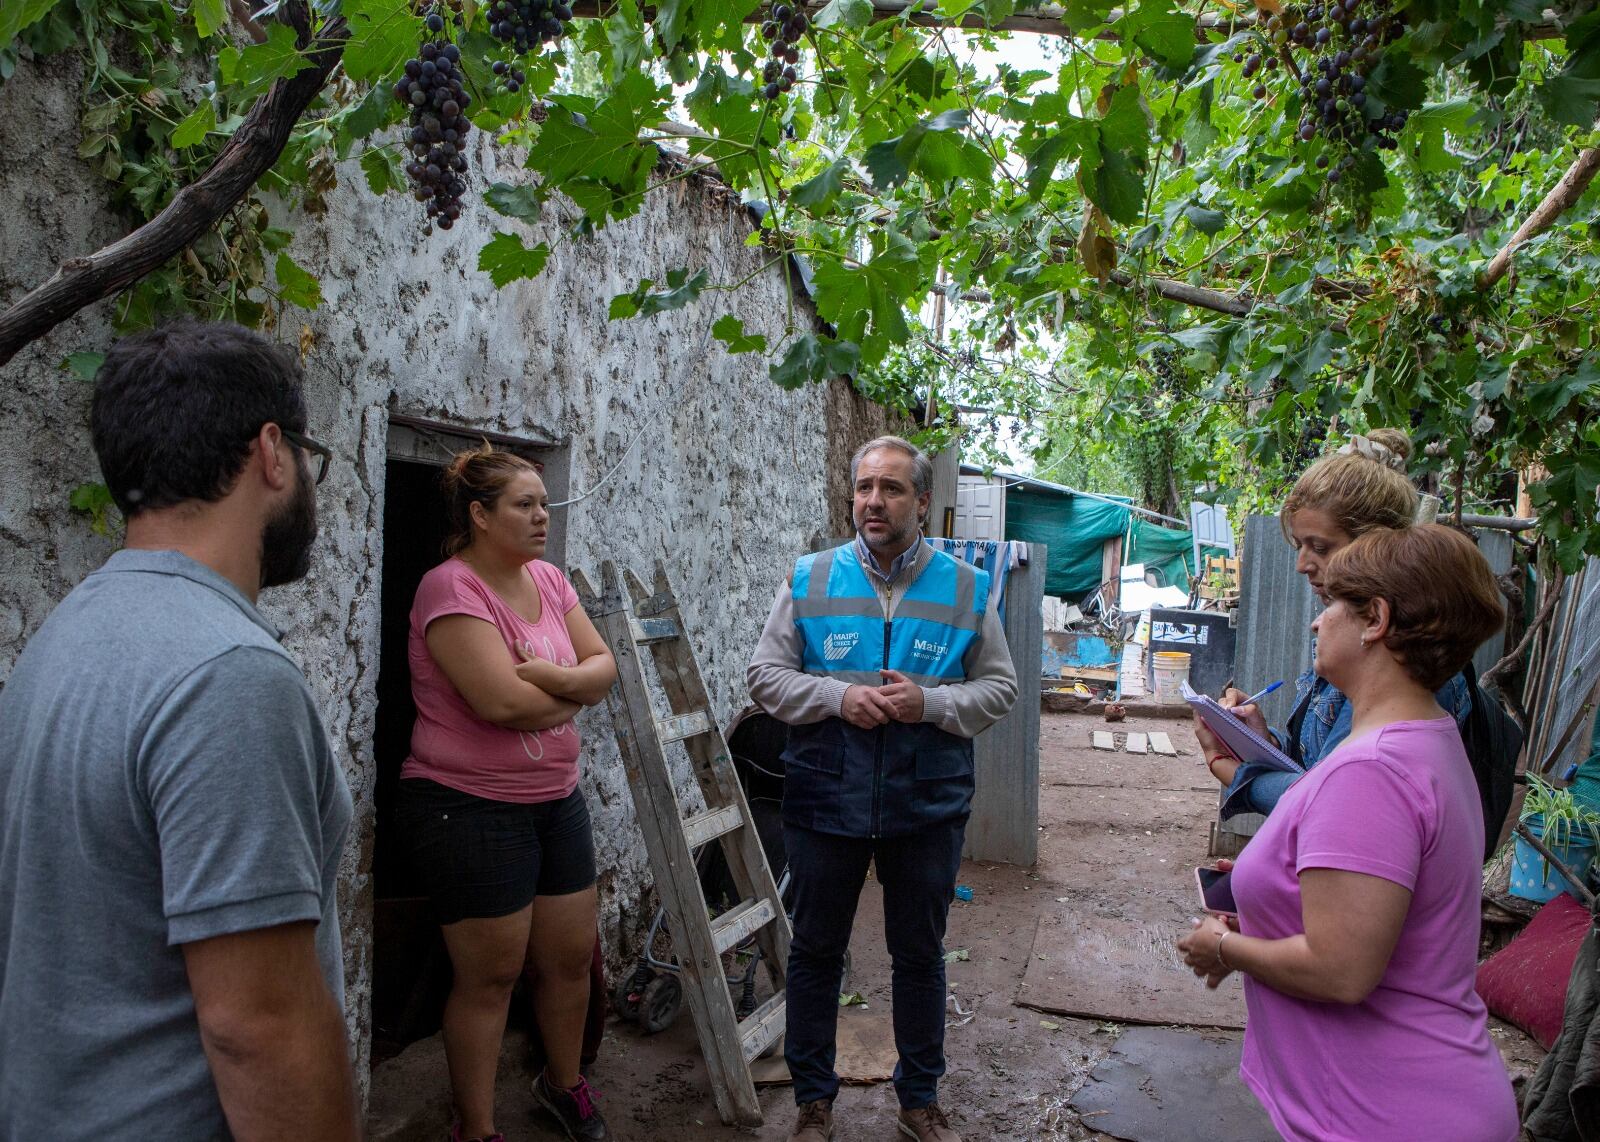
(1216, 891)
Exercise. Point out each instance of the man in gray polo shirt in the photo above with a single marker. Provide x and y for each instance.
(172, 813)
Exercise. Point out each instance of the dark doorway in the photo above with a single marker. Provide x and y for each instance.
(410, 970)
(410, 974)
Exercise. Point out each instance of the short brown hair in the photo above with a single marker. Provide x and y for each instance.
(1357, 491)
(1443, 598)
(477, 475)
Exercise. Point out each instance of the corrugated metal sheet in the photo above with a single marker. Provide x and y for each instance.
(1004, 825)
(1496, 548)
(1565, 682)
(1276, 606)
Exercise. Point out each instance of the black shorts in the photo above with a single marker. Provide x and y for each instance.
(478, 858)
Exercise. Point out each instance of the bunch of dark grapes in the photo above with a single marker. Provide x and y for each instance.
(438, 137)
(525, 24)
(511, 78)
(1162, 363)
(783, 28)
(1340, 43)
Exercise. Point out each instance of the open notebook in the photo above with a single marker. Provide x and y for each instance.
(1236, 737)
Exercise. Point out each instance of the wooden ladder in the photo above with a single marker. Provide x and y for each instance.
(629, 617)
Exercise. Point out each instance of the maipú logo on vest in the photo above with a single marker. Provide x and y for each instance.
(839, 644)
(922, 648)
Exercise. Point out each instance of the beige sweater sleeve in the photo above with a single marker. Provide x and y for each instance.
(776, 682)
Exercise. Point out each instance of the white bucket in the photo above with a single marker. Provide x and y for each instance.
(1171, 672)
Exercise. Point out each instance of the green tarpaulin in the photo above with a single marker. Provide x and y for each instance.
(1163, 549)
(1075, 527)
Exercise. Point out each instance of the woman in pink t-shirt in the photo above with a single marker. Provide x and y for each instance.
(1358, 900)
(502, 657)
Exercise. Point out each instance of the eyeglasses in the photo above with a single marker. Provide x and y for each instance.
(307, 444)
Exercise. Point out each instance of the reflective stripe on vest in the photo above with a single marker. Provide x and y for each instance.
(841, 621)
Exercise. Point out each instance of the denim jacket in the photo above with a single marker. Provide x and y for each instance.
(1256, 788)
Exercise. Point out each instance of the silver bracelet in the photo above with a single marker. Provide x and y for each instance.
(1222, 963)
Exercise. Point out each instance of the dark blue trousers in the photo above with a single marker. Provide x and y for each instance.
(918, 875)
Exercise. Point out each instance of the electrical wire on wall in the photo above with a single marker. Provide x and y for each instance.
(628, 451)
(649, 419)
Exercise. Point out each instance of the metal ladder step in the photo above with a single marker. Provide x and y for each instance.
(738, 922)
(675, 729)
(711, 824)
(762, 1027)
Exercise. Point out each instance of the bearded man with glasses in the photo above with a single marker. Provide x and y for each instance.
(171, 814)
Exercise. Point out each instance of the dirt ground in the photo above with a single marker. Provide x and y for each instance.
(1119, 836)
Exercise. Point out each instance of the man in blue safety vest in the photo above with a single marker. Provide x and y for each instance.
(885, 658)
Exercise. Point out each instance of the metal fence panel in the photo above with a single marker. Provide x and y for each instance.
(1496, 548)
(1276, 606)
(1004, 825)
(1570, 679)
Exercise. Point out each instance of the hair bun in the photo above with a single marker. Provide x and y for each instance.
(1389, 447)
(1394, 439)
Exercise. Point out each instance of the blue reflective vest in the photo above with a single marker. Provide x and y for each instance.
(897, 778)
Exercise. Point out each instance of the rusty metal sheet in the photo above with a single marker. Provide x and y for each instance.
(1163, 1085)
(1127, 971)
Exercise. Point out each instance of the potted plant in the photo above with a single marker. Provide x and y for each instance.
(1568, 828)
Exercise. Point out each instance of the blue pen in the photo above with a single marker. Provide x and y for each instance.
(1254, 698)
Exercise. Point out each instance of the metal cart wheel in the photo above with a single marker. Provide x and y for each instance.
(624, 1000)
(659, 1004)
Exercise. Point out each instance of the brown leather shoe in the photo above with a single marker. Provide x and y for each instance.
(813, 1122)
(927, 1124)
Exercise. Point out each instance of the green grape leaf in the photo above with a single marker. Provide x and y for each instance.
(682, 288)
(730, 331)
(1570, 99)
(1117, 187)
(817, 193)
(1427, 126)
(584, 142)
(376, 111)
(1084, 15)
(848, 296)
(382, 169)
(933, 148)
(295, 285)
(524, 201)
(195, 127)
(383, 33)
(210, 16)
(16, 15)
(1205, 220)
(94, 501)
(83, 364)
(1549, 399)
(845, 14)
(258, 66)
(1161, 33)
(505, 259)
(814, 358)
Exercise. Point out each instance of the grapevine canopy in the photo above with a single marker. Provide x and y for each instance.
(1243, 228)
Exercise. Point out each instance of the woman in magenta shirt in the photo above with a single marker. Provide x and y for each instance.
(502, 657)
(1359, 898)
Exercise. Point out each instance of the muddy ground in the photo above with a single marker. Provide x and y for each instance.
(1119, 836)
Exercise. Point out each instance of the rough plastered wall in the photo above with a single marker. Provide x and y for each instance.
(718, 472)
